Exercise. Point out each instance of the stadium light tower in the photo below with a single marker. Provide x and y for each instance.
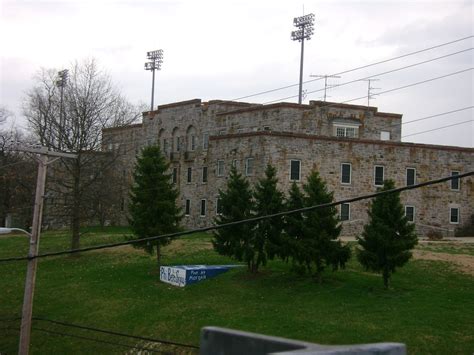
(156, 59)
(61, 83)
(305, 31)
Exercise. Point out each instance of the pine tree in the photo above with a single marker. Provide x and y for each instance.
(388, 237)
(236, 205)
(321, 229)
(152, 208)
(293, 241)
(267, 241)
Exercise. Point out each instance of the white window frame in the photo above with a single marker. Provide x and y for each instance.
(220, 169)
(348, 214)
(205, 141)
(187, 207)
(299, 169)
(247, 172)
(201, 209)
(174, 175)
(350, 174)
(345, 129)
(217, 207)
(414, 212)
(204, 169)
(414, 176)
(453, 173)
(458, 215)
(189, 175)
(375, 174)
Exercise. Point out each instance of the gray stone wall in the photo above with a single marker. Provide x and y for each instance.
(277, 134)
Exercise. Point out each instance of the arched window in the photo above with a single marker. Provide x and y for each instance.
(191, 139)
(176, 140)
(163, 141)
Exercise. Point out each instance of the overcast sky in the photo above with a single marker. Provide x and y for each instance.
(229, 49)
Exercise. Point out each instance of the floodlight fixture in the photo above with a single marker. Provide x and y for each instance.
(304, 31)
(62, 78)
(156, 59)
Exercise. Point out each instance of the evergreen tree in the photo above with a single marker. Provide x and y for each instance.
(321, 229)
(388, 237)
(152, 208)
(236, 205)
(293, 241)
(267, 241)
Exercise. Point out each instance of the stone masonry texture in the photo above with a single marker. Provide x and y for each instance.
(211, 136)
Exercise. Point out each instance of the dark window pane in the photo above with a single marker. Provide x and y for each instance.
(345, 211)
(295, 170)
(410, 213)
(379, 175)
(346, 174)
(203, 207)
(188, 207)
(411, 177)
(455, 182)
(454, 215)
(204, 174)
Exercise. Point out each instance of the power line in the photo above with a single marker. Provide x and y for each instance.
(250, 220)
(380, 93)
(433, 116)
(110, 332)
(99, 340)
(357, 68)
(436, 129)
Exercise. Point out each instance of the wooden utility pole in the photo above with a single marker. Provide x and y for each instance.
(27, 312)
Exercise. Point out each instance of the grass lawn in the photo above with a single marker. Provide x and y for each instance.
(430, 306)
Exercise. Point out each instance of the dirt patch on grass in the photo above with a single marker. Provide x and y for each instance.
(463, 263)
(180, 245)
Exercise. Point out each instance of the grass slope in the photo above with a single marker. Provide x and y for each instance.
(430, 306)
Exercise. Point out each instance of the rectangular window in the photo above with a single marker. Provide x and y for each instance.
(174, 176)
(187, 208)
(249, 166)
(189, 175)
(346, 173)
(454, 215)
(165, 145)
(384, 135)
(122, 204)
(178, 144)
(218, 206)
(378, 175)
(204, 174)
(455, 183)
(411, 176)
(340, 132)
(220, 168)
(203, 208)
(205, 140)
(410, 213)
(349, 132)
(345, 212)
(193, 143)
(295, 170)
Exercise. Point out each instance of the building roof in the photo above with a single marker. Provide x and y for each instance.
(341, 139)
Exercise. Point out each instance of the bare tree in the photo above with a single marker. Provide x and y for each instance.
(17, 174)
(70, 117)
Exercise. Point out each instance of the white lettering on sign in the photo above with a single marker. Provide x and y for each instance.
(173, 276)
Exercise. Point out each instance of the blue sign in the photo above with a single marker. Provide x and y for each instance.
(182, 275)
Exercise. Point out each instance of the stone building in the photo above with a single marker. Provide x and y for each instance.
(354, 148)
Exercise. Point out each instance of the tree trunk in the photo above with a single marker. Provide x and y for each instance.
(158, 255)
(386, 277)
(76, 207)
